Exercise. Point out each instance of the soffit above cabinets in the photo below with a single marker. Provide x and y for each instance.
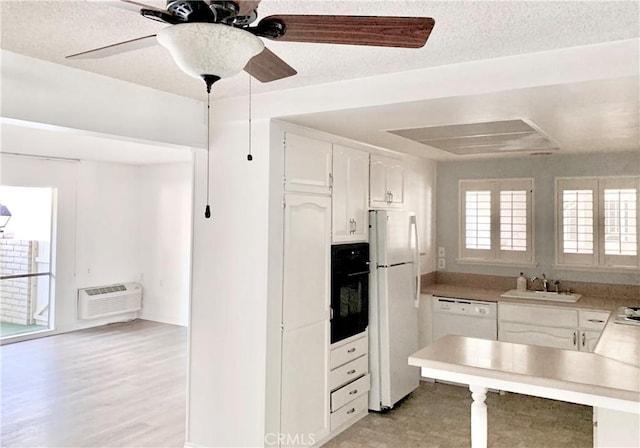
(482, 138)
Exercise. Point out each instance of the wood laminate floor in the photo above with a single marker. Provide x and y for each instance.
(120, 385)
(124, 385)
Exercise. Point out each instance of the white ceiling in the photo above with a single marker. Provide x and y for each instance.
(464, 31)
(592, 116)
(582, 117)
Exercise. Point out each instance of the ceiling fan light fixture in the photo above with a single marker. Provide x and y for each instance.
(200, 49)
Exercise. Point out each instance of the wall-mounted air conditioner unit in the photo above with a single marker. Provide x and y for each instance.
(109, 300)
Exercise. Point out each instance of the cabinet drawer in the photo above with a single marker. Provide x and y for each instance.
(352, 410)
(538, 315)
(348, 352)
(350, 392)
(593, 320)
(348, 372)
(565, 338)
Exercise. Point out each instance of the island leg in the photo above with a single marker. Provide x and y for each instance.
(478, 416)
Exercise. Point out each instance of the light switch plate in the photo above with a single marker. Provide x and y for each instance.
(441, 252)
(441, 264)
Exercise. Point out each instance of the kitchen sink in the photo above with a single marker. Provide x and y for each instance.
(541, 295)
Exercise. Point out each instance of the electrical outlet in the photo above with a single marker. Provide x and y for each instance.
(441, 252)
(441, 264)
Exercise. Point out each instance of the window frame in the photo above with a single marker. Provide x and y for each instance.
(495, 255)
(598, 259)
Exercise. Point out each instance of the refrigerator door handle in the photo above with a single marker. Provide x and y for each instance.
(416, 261)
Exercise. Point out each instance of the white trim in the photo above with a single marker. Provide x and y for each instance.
(482, 262)
(573, 267)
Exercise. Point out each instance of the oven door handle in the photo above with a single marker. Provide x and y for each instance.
(353, 274)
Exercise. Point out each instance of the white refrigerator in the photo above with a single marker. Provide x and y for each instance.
(394, 295)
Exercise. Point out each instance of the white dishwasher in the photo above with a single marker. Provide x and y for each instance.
(470, 318)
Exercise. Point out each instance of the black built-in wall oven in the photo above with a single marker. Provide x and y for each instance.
(349, 290)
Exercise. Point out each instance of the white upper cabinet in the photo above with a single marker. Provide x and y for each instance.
(386, 182)
(350, 193)
(307, 164)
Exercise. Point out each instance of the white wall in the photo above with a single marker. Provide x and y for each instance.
(543, 170)
(113, 223)
(43, 92)
(106, 223)
(164, 240)
(81, 257)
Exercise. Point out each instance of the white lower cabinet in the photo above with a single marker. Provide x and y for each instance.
(550, 326)
(305, 363)
(345, 414)
(565, 338)
(349, 381)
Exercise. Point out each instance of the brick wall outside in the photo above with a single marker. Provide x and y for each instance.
(17, 296)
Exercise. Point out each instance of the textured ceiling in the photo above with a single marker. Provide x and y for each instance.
(464, 31)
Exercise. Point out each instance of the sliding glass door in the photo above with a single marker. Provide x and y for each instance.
(26, 295)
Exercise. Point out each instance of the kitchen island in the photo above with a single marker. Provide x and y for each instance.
(610, 385)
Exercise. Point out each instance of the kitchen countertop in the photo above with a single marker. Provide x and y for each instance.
(493, 295)
(620, 343)
(587, 376)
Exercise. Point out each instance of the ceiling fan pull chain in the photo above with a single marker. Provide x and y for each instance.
(249, 156)
(207, 209)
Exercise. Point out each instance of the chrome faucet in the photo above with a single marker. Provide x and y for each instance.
(545, 282)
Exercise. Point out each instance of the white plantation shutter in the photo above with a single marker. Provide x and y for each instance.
(577, 221)
(513, 220)
(598, 221)
(620, 215)
(619, 221)
(478, 220)
(496, 220)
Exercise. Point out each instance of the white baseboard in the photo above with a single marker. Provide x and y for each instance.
(163, 319)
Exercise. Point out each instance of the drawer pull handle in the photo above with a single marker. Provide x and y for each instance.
(354, 391)
(596, 321)
(351, 372)
(351, 350)
(351, 411)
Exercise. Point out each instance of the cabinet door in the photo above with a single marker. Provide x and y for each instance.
(377, 182)
(340, 213)
(565, 338)
(307, 256)
(350, 192)
(588, 340)
(395, 181)
(305, 389)
(358, 194)
(307, 165)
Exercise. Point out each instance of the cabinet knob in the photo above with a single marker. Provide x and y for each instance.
(351, 350)
(351, 372)
(351, 411)
(353, 392)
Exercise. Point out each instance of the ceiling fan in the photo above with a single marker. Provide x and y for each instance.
(218, 35)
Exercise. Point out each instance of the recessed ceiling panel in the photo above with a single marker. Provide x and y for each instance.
(481, 138)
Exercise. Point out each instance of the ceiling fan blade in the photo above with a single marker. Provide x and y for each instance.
(246, 7)
(113, 49)
(267, 67)
(404, 32)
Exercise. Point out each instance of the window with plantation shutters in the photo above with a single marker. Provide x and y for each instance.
(598, 221)
(496, 220)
